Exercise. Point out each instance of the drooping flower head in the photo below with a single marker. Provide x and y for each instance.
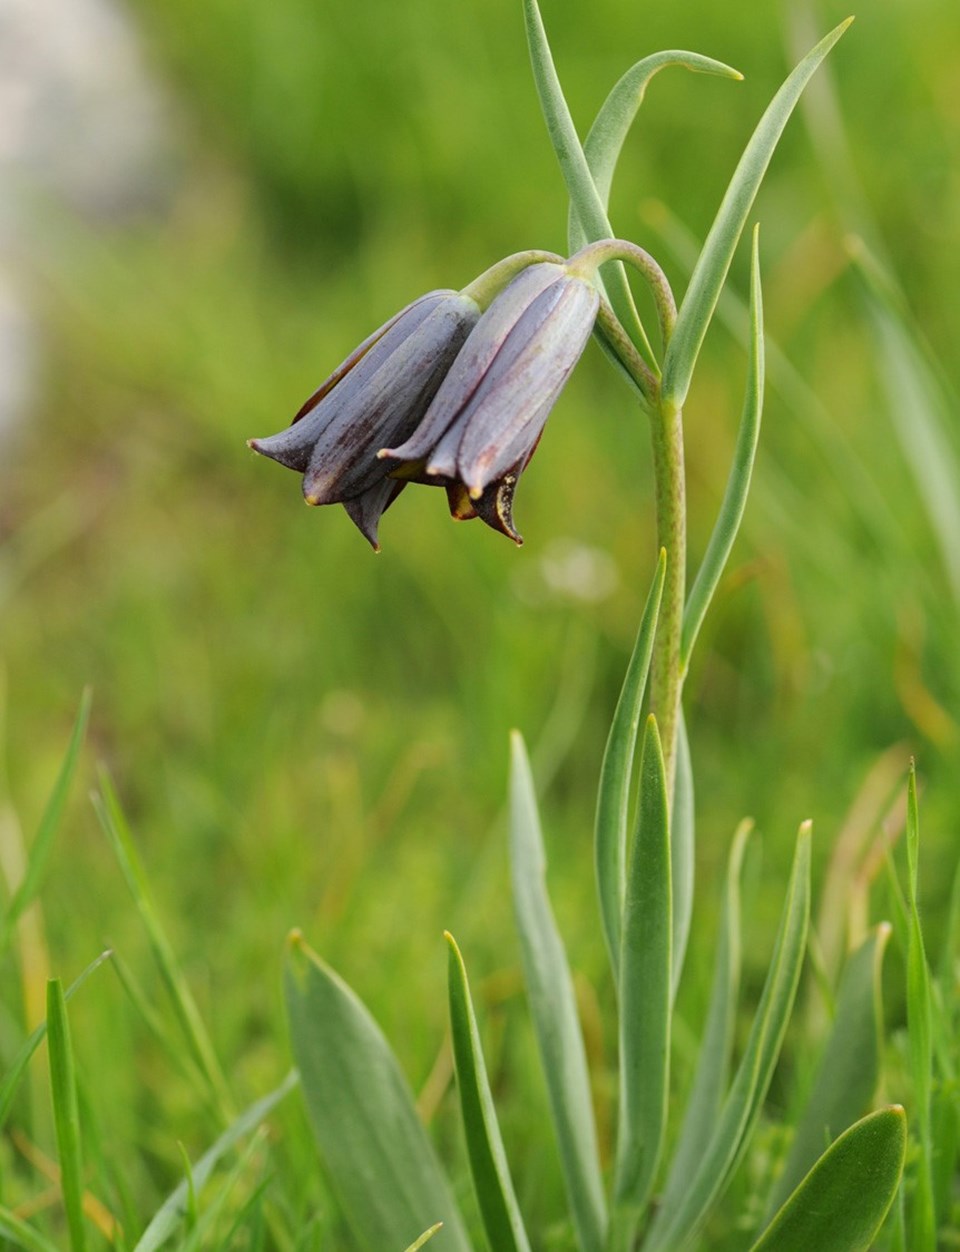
(444, 396)
(377, 395)
(486, 419)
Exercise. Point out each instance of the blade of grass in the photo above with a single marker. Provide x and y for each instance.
(711, 269)
(738, 484)
(21, 1235)
(175, 1207)
(843, 1201)
(425, 1237)
(716, 1050)
(11, 1079)
(848, 1070)
(645, 994)
(492, 1183)
(675, 1226)
(66, 1112)
(553, 1007)
(616, 774)
(919, 1029)
(42, 845)
(376, 1154)
(201, 1235)
(188, 1016)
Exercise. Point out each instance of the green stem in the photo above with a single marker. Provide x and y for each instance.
(666, 679)
(487, 286)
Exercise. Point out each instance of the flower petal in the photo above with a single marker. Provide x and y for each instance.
(366, 510)
(475, 358)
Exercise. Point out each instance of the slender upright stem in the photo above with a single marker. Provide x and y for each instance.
(666, 679)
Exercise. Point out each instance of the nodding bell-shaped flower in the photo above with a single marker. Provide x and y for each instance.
(485, 421)
(378, 395)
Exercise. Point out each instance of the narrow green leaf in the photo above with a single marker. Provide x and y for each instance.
(849, 1068)
(711, 269)
(188, 1016)
(616, 773)
(919, 1029)
(682, 851)
(11, 1079)
(42, 845)
(66, 1112)
(584, 197)
(492, 1183)
(425, 1237)
(713, 1063)
(375, 1151)
(841, 1204)
(921, 407)
(645, 989)
(175, 1207)
(738, 483)
(553, 1007)
(16, 1231)
(676, 1225)
(612, 124)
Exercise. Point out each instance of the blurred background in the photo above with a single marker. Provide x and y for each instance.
(203, 208)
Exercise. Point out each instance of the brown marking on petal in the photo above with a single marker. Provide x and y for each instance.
(495, 507)
(459, 503)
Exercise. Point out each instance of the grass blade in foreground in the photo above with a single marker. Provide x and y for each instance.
(675, 1225)
(425, 1237)
(11, 1078)
(66, 1112)
(920, 1030)
(738, 484)
(841, 1204)
(713, 1063)
(42, 844)
(16, 1231)
(188, 1015)
(616, 774)
(375, 1150)
(553, 1007)
(645, 996)
(168, 1217)
(849, 1068)
(496, 1198)
(711, 269)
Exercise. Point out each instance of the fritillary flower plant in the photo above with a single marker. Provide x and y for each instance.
(454, 391)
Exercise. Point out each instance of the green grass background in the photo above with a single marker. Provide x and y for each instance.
(304, 733)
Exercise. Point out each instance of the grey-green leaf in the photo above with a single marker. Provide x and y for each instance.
(553, 1007)
(848, 1070)
(713, 1063)
(612, 124)
(841, 1204)
(492, 1183)
(376, 1153)
(682, 850)
(676, 1224)
(646, 989)
(616, 773)
(711, 269)
(738, 482)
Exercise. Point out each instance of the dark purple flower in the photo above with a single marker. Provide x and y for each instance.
(485, 421)
(378, 395)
